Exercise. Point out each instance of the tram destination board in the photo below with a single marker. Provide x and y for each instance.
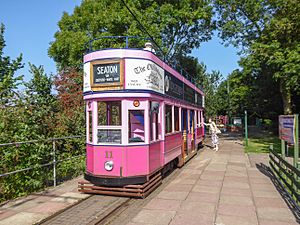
(106, 73)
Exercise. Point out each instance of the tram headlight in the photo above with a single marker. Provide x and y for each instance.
(109, 165)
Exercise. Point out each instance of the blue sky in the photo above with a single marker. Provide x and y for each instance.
(31, 25)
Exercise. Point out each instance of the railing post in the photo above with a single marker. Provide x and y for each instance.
(126, 40)
(283, 149)
(54, 163)
(296, 141)
(271, 146)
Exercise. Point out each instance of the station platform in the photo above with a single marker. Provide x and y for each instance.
(38, 206)
(227, 187)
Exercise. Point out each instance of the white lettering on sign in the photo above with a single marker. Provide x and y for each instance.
(144, 74)
(107, 69)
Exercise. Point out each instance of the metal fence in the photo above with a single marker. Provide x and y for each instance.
(54, 160)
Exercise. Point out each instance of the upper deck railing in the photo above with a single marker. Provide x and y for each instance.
(125, 43)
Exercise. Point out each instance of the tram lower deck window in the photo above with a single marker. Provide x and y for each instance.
(136, 129)
(168, 119)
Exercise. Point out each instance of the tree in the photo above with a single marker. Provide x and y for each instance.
(70, 102)
(8, 68)
(210, 86)
(177, 26)
(40, 102)
(269, 32)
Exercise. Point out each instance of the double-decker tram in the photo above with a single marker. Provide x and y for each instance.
(142, 117)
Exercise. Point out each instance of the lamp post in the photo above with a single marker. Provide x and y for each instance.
(246, 129)
(228, 93)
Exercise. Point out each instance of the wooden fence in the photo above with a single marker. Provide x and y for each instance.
(287, 174)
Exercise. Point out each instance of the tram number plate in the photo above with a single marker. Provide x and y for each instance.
(108, 154)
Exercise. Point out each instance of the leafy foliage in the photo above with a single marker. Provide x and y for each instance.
(268, 31)
(8, 67)
(177, 26)
(36, 114)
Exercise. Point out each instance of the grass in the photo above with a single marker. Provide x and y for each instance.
(261, 144)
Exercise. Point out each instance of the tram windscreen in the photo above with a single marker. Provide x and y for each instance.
(109, 122)
(109, 113)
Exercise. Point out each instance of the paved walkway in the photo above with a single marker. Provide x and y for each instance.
(218, 188)
(36, 207)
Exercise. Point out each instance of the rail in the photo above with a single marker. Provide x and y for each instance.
(54, 161)
(287, 174)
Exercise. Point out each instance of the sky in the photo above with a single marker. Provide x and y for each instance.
(30, 27)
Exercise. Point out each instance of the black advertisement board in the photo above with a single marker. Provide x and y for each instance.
(199, 99)
(178, 89)
(189, 94)
(173, 86)
(106, 73)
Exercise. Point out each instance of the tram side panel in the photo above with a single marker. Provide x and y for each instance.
(172, 148)
(155, 159)
(136, 162)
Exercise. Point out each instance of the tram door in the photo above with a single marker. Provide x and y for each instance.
(184, 125)
(192, 130)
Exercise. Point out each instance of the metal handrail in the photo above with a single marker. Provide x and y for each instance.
(42, 140)
(54, 161)
(90, 47)
(39, 166)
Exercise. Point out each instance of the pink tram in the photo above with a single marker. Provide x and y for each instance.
(142, 116)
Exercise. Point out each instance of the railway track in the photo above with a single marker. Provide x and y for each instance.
(102, 210)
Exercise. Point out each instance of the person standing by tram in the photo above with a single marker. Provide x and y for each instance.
(214, 130)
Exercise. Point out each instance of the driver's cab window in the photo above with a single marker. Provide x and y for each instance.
(136, 126)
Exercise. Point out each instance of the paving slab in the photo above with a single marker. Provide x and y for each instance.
(179, 187)
(236, 200)
(202, 207)
(206, 189)
(157, 217)
(269, 202)
(236, 210)
(192, 218)
(277, 214)
(163, 204)
(235, 220)
(236, 191)
(203, 197)
(236, 184)
(272, 222)
(175, 195)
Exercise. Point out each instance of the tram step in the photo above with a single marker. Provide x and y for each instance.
(140, 191)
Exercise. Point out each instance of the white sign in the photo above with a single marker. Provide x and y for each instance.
(86, 77)
(144, 74)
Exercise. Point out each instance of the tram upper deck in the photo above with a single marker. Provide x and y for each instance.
(135, 70)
